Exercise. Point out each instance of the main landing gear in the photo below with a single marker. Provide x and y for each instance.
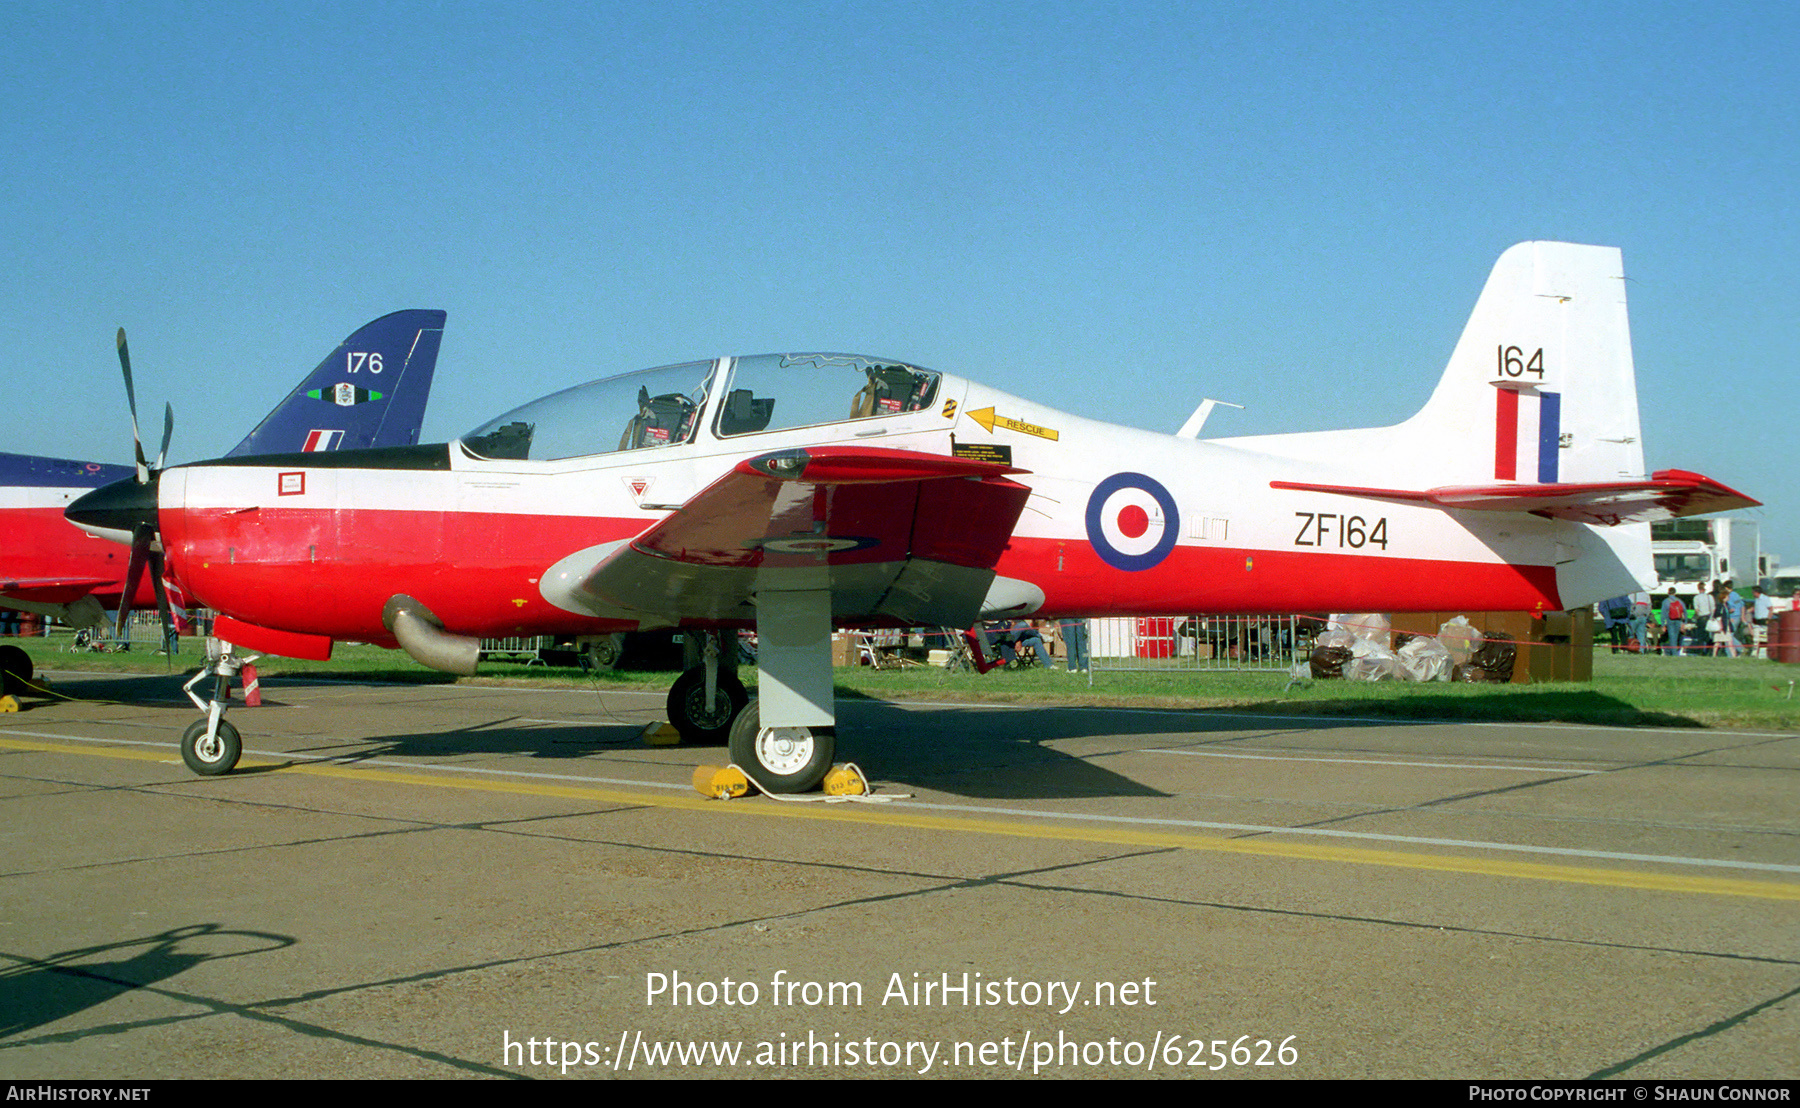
(781, 759)
(702, 719)
(211, 746)
(786, 738)
(707, 697)
(15, 670)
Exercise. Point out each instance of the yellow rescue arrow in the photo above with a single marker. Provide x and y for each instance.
(987, 418)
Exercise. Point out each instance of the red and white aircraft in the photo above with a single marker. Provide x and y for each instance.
(801, 492)
(49, 567)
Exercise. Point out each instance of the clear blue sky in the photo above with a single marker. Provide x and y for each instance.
(1117, 208)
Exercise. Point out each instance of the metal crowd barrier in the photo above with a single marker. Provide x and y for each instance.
(528, 649)
(1199, 643)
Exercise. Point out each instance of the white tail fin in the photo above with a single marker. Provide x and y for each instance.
(1541, 388)
(1536, 415)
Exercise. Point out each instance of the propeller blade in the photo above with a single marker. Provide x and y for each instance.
(143, 467)
(168, 432)
(162, 601)
(141, 537)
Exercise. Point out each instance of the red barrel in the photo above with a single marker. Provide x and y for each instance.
(1785, 644)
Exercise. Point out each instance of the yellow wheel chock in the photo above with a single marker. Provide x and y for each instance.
(715, 783)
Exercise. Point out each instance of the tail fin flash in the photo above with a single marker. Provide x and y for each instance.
(370, 391)
(1541, 387)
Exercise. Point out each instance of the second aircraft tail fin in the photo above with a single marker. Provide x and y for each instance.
(370, 391)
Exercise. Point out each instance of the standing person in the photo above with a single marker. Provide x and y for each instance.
(1731, 617)
(1640, 620)
(1617, 614)
(1674, 615)
(1075, 640)
(1704, 609)
(1761, 613)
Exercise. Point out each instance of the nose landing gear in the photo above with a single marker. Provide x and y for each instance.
(211, 746)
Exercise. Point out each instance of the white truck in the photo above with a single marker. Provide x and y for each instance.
(1691, 552)
(1783, 587)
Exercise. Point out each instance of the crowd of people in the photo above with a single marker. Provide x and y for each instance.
(1014, 642)
(1718, 622)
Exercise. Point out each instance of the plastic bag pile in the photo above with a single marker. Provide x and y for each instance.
(1355, 648)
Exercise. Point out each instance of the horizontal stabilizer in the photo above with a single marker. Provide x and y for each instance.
(1669, 493)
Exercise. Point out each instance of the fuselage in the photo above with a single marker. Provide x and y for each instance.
(1118, 521)
(44, 560)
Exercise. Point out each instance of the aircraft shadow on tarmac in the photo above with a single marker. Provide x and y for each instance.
(967, 752)
(981, 752)
(974, 751)
(42, 991)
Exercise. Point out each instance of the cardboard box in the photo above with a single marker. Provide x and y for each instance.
(1557, 647)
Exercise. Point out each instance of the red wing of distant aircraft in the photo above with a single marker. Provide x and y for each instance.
(369, 392)
(803, 492)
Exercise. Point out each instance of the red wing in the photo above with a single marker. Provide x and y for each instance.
(902, 535)
(1669, 493)
(56, 590)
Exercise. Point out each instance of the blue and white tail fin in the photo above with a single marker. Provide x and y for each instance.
(370, 391)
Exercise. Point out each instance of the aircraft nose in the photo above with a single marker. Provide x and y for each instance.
(117, 510)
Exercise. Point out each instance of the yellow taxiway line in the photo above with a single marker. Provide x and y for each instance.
(890, 816)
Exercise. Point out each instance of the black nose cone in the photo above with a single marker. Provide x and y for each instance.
(115, 511)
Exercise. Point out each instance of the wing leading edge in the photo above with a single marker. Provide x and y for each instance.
(896, 535)
(1668, 493)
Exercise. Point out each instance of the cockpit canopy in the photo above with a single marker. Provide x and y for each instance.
(668, 406)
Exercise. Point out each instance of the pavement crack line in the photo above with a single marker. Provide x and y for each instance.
(1716, 1028)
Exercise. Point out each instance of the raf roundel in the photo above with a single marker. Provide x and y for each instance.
(1132, 521)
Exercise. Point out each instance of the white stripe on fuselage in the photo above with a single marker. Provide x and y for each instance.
(39, 496)
(1221, 488)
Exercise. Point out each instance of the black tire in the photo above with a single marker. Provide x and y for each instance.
(787, 759)
(15, 669)
(603, 654)
(688, 711)
(223, 756)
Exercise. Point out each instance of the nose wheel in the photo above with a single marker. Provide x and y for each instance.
(781, 759)
(214, 754)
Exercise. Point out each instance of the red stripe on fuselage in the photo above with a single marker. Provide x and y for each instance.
(39, 543)
(326, 572)
(330, 572)
(1223, 581)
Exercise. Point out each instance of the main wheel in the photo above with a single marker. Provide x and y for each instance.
(210, 759)
(701, 723)
(781, 759)
(603, 654)
(15, 669)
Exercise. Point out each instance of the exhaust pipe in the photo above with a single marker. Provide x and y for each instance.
(422, 635)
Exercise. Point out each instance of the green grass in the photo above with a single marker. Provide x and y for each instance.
(1626, 691)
